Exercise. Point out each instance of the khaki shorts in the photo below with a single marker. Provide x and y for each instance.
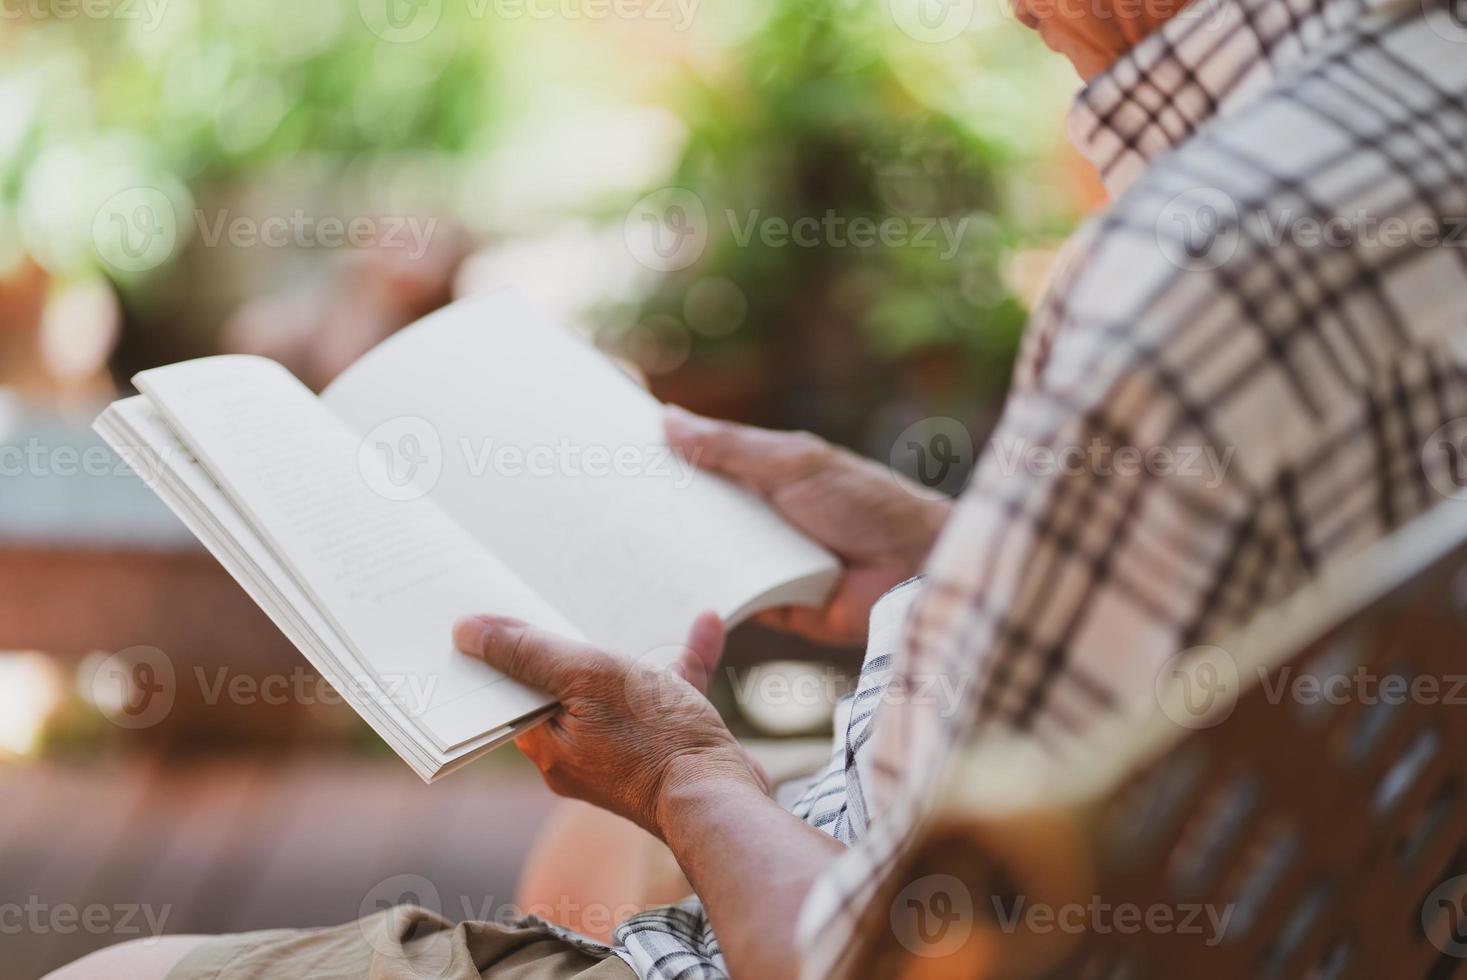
(402, 943)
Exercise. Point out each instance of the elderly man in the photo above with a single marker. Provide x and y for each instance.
(1275, 285)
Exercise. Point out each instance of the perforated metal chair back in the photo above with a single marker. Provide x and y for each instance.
(1292, 808)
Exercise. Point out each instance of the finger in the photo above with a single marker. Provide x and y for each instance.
(762, 458)
(776, 618)
(532, 656)
(704, 649)
(796, 619)
(537, 745)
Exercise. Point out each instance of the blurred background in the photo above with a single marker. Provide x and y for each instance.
(821, 214)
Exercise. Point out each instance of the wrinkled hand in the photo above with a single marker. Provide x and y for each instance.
(627, 735)
(880, 524)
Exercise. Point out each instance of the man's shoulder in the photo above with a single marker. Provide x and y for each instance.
(1264, 277)
(1356, 150)
(1341, 189)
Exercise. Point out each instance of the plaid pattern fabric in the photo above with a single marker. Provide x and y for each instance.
(1241, 373)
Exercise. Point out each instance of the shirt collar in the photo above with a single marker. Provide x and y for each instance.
(1210, 59)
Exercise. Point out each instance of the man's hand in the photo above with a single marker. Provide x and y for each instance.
(878, 523)
(628, 737)
(645, 744)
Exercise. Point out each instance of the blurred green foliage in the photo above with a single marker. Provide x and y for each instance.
(210, 91)
(818, 108)
(825, 116)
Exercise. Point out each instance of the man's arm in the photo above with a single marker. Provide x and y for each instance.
(751, 863)
(647, 745)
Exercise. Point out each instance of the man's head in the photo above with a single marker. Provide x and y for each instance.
(1094, 33)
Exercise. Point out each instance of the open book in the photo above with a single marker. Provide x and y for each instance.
(481, 460)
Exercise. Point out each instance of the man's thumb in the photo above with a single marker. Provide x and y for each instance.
(704, 649)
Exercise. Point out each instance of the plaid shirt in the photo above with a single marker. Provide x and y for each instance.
(1241, 373)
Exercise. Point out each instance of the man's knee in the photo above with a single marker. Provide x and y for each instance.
(136, 959)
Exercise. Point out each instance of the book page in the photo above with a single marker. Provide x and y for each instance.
(556, 461)
(390, 575)
(133, 427)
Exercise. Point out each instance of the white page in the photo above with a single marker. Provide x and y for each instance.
(391, 576)
(134, 428)
(556, 461)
